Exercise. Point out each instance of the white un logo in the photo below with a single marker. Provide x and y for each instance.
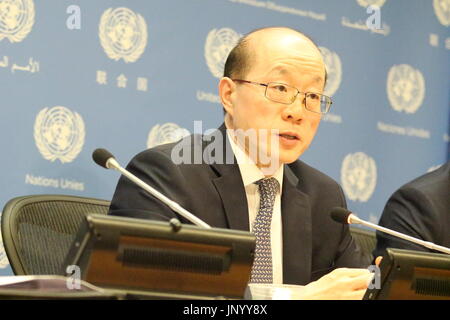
(334, 71)
(217, 47)
(165, 133)
(366, 3)
(442, 10)
(59, 134)
(123, 34)
(16, 19)
(358, 176)
(405, 88)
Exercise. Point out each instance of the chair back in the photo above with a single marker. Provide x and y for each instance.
(38, 230)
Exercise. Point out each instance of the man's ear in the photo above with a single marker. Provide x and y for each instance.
(227, 89)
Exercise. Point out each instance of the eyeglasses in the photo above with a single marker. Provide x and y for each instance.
(285, 94)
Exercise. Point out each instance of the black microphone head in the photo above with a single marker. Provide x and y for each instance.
(101, 157)
(340, 214)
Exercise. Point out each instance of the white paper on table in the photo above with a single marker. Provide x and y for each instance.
(256, 291)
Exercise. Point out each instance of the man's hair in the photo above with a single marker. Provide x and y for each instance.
(239, 62)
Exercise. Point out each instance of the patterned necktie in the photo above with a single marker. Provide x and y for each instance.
(262, 264)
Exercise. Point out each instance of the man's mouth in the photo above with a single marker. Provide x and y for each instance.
(289, 136)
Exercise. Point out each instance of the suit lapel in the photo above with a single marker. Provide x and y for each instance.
(234, 200)
(231, 189)
(297, 231)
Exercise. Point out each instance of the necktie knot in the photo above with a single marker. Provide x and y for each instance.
(268, 189)
(268, 185)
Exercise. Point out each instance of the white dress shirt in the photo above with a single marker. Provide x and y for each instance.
(250, 173)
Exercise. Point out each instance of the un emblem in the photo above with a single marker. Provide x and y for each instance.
(366, 3)
(166, 133)
(16, 19)
(334, 71)
(59, 134)
(405, 88)
(358, 176)
(123, 34)
(217, 47)
(442, 10)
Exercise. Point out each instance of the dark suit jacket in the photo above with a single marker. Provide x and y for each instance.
(420, 208)
(313, 244)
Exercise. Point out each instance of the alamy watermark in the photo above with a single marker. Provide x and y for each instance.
(260, 145)
(375, 283)
(373, 22)
(73, 281)
(73, 21)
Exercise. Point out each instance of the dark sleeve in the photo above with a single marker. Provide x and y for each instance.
(411, 212)
(350, 255)
(155, 168)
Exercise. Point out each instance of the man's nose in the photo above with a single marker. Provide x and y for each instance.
(296, 110)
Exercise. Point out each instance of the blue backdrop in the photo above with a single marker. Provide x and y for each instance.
(126, 75)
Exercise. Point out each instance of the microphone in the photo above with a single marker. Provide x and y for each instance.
(345, 216)
(104, 158)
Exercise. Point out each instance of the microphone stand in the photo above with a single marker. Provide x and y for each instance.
(353, 219)
(111, 163)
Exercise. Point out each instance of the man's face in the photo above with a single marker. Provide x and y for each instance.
(288, 58)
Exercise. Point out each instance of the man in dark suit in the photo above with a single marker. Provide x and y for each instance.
(271, 94)
(421, 209)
